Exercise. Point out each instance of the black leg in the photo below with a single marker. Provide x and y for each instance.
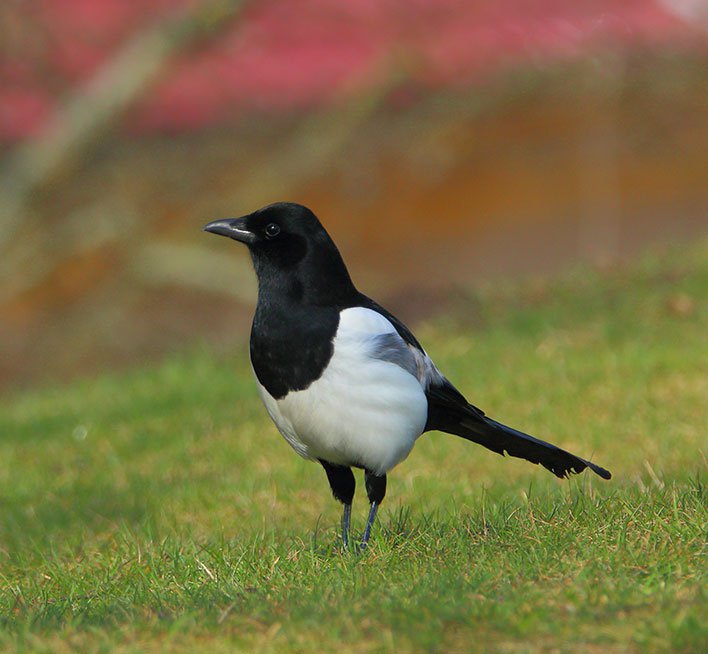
(341, 481)
(376, 491)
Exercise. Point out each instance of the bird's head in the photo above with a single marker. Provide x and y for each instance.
(280, 231)
(287, 239)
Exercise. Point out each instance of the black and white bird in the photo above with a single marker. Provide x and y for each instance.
(347, 383)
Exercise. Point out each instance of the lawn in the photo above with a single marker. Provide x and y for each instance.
(159, 510)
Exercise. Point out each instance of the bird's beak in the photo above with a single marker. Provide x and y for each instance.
(234, 228)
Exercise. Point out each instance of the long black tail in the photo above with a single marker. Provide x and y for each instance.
(448, 411)
(503, 439)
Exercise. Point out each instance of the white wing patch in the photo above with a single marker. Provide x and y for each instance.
(389, 346)
(368, 407)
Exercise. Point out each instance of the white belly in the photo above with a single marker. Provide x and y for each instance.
(362, 411)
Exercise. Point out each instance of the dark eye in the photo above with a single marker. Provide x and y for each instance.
(272, 230)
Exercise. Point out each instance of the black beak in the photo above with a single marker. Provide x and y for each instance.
(234, 228)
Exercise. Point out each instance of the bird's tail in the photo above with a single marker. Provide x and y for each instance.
(502, 439)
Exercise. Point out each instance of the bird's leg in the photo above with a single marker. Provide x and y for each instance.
(375, 491)
(342, 482)
(369, 524)
(346, 522)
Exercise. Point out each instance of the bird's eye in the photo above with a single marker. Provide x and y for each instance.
(272, 230)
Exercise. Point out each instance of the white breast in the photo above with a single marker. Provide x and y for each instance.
(363, 410)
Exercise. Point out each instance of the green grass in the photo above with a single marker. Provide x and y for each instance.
(160, 511)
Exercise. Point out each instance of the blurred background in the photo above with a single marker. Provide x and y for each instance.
(442, 143)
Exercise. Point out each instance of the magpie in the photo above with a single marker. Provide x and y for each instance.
(345, 382)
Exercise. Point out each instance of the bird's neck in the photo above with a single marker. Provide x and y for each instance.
(319, 280)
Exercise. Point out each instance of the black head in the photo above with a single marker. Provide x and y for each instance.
(291, 251)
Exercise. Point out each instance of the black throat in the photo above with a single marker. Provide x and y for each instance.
(300, 295)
